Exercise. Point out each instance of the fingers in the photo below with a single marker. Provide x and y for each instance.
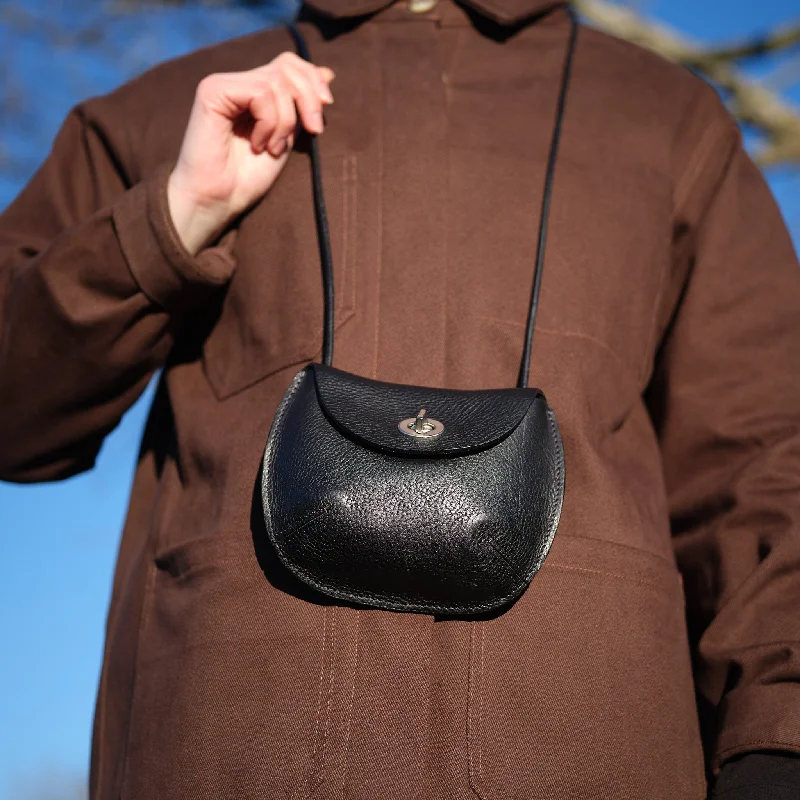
(275, 116)
(319, 77)
(327, 74)
(309, 86)
(273, 95)
(308, 97)
(265, 110)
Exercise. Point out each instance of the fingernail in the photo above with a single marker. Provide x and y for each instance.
(326, 94)
(316, 122)
(280, 147)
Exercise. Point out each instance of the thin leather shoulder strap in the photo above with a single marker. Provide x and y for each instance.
(323, 235)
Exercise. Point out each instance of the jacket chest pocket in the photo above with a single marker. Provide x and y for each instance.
(272, 314)
(607, 248)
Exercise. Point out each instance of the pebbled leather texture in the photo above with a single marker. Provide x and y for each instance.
(438, 534)
(364, 409)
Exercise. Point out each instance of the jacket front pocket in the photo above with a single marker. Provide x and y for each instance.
(584, 688)
(272, 315)
(239, 686)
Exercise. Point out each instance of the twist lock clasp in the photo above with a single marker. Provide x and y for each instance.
(421, 426)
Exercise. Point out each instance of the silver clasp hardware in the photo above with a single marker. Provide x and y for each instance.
(421, 426)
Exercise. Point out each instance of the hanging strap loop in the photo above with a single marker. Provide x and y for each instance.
(323, 234)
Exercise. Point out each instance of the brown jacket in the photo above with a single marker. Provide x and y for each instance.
(668, 343)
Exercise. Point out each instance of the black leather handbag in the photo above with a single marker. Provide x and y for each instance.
(414, 498)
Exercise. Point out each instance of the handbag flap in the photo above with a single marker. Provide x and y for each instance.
(370, 411)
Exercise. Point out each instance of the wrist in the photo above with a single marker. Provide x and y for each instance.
(170, 276)
(196, 221)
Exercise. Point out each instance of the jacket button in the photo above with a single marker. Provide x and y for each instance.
(420, 6)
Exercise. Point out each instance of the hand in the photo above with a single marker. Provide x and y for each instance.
(240, 133)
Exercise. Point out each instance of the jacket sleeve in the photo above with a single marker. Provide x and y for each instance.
(94, 282)
(725, 399)
(759, 776)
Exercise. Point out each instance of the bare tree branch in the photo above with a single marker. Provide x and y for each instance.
(751, 102)
(782, 38)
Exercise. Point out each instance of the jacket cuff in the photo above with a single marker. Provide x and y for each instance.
(758, 718)
(162, 267)
(759, 776)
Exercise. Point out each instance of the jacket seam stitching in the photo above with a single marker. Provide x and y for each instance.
(621, 576)
(567, 333)
(757, 743)
(696, 163)
(147, 603)
(682, 189)
(346, 758)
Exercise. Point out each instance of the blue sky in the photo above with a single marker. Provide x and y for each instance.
(58, 541)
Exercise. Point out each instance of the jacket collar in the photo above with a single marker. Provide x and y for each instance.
(506, 12)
